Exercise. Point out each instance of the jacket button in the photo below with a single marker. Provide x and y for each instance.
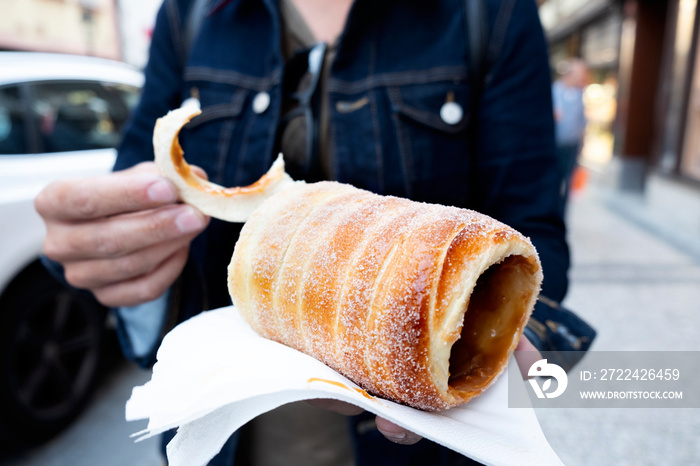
(451, 113)
(260, 102)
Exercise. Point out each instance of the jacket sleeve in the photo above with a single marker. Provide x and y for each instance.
(162, 88)
(517, 162)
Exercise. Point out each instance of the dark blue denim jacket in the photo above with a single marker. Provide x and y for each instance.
(398, 61)
(405, 57)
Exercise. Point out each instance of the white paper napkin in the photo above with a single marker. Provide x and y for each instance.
(214, 374)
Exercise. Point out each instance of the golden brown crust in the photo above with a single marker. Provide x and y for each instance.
(230, 204)
(378, 287)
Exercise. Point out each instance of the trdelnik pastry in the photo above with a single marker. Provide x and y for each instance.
(418, 303)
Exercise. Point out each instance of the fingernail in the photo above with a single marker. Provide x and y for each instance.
(161, 191)
(189, 220)
(395, 436)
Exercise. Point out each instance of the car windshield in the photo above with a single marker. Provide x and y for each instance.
(48, 117)
(12, 126)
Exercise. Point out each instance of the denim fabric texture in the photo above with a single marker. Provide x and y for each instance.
(397, 64)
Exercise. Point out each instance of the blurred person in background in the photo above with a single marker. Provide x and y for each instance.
(570, 118)
(375, 94)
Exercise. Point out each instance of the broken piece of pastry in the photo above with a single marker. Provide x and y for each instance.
(230, 204)
(418, 303)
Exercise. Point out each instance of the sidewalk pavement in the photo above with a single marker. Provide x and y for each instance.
(100, 436)
(637, 281)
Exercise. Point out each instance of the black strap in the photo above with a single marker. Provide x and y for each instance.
(477, 32)
(477, 29)
(195, 17)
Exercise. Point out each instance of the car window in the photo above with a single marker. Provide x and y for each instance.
(129, 94)
(75, 116)
(12, 124)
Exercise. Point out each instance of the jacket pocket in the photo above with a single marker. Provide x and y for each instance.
(219, 104)
(208, 138)
(430, 121)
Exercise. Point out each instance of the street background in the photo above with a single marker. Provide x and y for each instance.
(636, 281)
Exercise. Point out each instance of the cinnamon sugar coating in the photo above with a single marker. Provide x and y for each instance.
(377, 288)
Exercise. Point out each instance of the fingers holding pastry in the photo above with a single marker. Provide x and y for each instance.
(100, 273)
(111, 231)
(132, 190)
(145, 287)
(391, 431)
(396, 433)
(527, 356)
(121, 235)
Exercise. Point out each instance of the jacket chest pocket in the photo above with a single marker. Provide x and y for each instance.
(232, 137)
(207, 140)
(430, 122)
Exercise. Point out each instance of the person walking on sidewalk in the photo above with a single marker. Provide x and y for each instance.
(567, 96)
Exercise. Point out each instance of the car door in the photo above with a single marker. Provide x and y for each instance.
(51, 337)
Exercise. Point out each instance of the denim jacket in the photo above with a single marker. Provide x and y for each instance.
(398, 62)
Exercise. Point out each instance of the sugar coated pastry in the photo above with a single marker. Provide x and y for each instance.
(418, 303)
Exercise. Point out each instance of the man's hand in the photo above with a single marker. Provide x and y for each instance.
(527, 357)
(122, 236)
(391, 431)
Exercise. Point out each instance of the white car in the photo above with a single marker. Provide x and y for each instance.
(61, 116)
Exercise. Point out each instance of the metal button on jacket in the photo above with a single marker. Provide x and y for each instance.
(451, 113)
(260, 102)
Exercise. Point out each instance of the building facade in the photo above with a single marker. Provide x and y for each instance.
(83, 27)
(643, 105)
(116, 29)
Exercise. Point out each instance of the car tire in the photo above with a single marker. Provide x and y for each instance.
(51, 341)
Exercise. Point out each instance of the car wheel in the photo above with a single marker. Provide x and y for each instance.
(50, 348)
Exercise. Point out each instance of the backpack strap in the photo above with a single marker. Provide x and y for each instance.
(196, 13)
(478, 40)
(477, 32)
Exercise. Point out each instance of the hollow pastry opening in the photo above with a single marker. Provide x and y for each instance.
(495, 312)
